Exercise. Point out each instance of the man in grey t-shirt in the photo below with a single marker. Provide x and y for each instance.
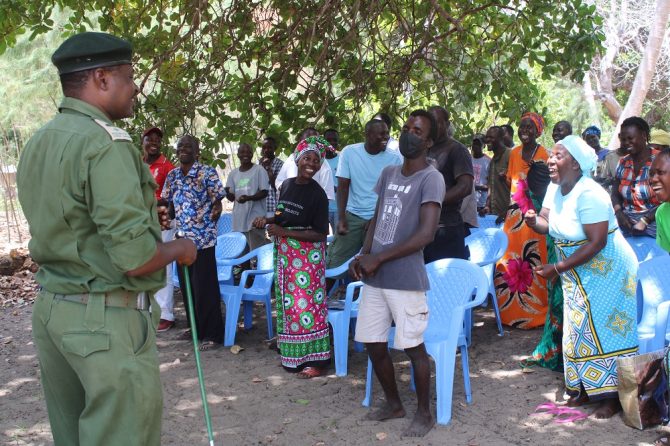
(391, 266)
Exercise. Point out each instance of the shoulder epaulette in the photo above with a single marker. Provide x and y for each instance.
(116, 133)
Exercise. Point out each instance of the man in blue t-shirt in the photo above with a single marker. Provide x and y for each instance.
(357, 173)
(391, 266)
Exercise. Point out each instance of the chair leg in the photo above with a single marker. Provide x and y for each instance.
(466, 373)
(340, 347)
(445, 362)
(494, 302)
(358, 346)
(268, 315)
(232, 315)
(248, 314)
(368, 385)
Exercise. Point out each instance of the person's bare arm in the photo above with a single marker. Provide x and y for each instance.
(460, 190)
(342, 196)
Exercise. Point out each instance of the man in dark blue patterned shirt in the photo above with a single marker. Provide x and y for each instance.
(196, 191)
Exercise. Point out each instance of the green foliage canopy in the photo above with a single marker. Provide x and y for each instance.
(254, 67)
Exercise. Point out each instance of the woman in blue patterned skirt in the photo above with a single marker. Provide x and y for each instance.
(598, 271)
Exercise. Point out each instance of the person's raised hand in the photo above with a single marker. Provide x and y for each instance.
(259, 222)
(276, 230)
(530, 217)
(163, 216)
(342, 227)
(217, 208)
(187, 251)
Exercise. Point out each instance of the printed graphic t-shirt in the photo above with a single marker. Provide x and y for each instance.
(400, 200)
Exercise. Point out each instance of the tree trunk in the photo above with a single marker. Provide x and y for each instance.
(645, 72)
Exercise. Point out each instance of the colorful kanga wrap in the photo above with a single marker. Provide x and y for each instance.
(316, 144)
(302, 314)
(521, 294)
(600, 316)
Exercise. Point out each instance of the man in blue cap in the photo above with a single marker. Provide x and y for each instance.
(89, 200)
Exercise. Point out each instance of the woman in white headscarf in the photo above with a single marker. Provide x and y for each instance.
(598, 273)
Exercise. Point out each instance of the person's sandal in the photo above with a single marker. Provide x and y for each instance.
(208, 345)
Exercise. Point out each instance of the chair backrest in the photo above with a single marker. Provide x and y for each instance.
(653, 277)
(264, 261)
(228, 246)
(487, 246)
(225, 224)
(488, 221)
(452, 285)
(645, 247)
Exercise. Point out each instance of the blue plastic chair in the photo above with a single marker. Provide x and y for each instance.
(487, 247)
(645, 247)
(486, 222)
(225, 224)
(233, 295)
(452, 284)
(340, 320)
(653, 277)
(228, 246)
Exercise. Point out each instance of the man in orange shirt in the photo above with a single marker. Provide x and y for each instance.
(159, 166)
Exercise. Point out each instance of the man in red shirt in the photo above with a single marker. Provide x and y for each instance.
(159, 166)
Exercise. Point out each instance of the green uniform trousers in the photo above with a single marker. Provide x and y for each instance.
(100, 375)
(346, 246)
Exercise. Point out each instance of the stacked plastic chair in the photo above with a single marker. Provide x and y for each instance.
(261, 287)
(645, 247)
(452, 284)
(487, 247)
(653, 287)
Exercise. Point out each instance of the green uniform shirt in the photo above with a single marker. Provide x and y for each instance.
(663, 226)
(498, 188)
(90, 204)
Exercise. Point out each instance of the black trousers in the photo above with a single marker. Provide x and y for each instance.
(206, 297)
(449, 243)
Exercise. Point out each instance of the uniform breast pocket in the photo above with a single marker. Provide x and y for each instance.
(85, 343)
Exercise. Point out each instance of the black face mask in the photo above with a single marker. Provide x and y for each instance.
(411, 146)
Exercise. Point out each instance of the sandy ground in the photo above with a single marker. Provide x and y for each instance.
(253, 401)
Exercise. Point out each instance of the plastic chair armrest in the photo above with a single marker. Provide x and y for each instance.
(348, 302)
(237, 261)
(343, 268)
(661, 326)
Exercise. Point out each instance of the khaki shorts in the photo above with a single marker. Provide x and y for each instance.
(379, 307)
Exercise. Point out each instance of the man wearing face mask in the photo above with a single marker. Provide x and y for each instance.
(453, 160)
(391, 266)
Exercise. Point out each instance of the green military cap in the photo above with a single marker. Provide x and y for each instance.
(91, 50)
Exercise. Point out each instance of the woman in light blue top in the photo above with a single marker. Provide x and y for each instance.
(598, 271)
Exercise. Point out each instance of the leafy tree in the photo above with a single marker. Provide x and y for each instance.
(242, 68)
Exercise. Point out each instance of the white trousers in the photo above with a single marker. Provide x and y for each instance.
(165, 296)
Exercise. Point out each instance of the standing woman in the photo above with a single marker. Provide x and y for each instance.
(632, 196)
(522, 294)
(299, 228)
(598, 271)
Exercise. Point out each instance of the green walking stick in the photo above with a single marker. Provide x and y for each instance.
(194, 334)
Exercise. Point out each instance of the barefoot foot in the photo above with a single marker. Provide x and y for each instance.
(576, 401)
(607, 409)
(385, 413)
(420, 426)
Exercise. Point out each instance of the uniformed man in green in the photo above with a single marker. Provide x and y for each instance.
(89, 200)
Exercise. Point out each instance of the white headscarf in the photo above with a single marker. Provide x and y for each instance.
(582, 153)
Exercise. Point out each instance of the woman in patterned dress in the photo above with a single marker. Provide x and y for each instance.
(522, 294)
(598, 271)
(299, 228)
(634, 200)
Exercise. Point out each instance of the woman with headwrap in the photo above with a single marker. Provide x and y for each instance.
(299, 228)
(598, 272)
(634, 199)
(522, 294)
